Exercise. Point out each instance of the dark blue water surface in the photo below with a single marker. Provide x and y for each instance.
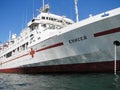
(59, 82)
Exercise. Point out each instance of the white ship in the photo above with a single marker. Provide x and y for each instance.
(53, 43)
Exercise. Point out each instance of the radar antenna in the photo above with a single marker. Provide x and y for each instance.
(45, 8)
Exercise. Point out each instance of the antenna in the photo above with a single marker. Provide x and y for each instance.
(9, 35)
(26, 17)
(43, 5)
(33, 9)
(45, 8)
(76, 10)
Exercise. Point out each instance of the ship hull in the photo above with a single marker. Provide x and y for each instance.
(82, 47)
(96, 67)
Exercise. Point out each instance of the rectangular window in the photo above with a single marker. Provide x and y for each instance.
(8, 54)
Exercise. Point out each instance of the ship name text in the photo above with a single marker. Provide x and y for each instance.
(78, 39)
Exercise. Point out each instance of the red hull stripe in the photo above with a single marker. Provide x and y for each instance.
(14, 58)
(115, 30)
(67, 68)
(52, 46)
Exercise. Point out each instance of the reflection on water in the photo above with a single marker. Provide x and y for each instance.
(116, 81)
(59, 82)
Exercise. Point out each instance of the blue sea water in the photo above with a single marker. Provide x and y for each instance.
(92, 81)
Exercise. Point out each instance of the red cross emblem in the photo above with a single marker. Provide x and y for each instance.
(0, 63)
(32, 52)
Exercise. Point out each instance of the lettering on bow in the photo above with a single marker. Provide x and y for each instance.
(78, 39)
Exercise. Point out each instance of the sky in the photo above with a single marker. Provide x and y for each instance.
(15, 14)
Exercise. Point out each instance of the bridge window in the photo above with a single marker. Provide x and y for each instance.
(43, 17)
(47, 18)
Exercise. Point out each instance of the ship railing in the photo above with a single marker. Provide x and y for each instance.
(105, 14)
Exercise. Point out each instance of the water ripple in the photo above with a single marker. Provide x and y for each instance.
(59, 82)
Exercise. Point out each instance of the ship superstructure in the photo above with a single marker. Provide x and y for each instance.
(40, 28)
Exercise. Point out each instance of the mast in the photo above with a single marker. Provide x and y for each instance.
(33, 9)
(9, 36)
(43, 4)
(76, 10)
(45, 8)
